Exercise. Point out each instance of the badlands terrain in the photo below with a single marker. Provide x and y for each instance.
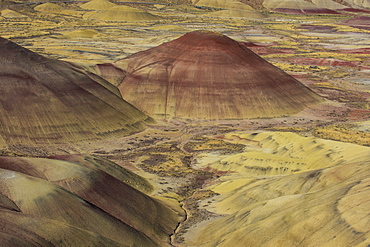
(185, 123)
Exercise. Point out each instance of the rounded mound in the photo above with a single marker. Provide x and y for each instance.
(98, 5)
(49, 8)
(121, 14)
(206, 75)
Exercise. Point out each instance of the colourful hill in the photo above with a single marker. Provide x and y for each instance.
(206, 75)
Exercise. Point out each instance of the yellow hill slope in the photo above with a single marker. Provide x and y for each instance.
(326, 207)
(285, 153)
(323, 205)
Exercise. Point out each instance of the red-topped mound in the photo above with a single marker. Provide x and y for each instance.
(206, 75)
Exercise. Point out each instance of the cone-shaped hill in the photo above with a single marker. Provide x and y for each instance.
(206, 75)
(48, 101)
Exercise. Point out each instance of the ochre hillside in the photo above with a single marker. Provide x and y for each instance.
(48, 101)
(284, 153)
(322, 202)
(107, 11)
(325, 207)
(206, 75)
(76, 204)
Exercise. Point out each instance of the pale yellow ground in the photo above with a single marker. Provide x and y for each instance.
(322, 204)
(285, 153)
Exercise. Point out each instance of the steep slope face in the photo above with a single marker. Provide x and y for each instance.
(206, 75)
(82, 204)
(323, 203)
(49, 101)
(109, 72)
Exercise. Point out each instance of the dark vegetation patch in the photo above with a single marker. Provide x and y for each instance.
(5, 152)
(204, 144)
(344, 133)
